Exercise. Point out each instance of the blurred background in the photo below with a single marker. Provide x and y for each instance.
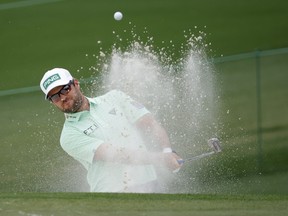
(247, 48)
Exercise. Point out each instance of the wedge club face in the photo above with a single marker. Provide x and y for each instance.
(214, 143)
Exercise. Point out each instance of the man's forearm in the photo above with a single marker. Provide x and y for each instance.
(107, 152)
(152, 129)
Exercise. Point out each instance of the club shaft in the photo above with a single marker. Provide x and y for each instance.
(214, 143)
(199, 156)
(196, 157)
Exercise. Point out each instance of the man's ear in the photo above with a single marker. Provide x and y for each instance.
(76, 83)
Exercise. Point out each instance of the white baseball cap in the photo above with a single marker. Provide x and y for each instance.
(53, 78)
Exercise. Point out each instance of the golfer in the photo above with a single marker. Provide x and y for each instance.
(109, 136)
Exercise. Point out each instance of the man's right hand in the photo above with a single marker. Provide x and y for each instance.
(173, 161)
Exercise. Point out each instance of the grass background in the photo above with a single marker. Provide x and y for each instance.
(37, 37)
(66, 34)
(141, 204)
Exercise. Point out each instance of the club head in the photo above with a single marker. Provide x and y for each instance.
(214, 143)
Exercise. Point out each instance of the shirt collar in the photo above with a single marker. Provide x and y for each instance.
(74, 117)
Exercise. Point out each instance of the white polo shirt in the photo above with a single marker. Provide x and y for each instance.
(111, 120)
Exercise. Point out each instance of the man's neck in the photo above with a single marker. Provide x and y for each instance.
(86, 104)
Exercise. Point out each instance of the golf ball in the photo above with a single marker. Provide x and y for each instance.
(118, 15)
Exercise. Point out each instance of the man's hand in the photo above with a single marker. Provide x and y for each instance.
(172, 161)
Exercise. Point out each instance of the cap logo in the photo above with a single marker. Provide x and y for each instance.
(50, 80)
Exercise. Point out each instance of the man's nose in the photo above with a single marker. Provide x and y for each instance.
(62, 97)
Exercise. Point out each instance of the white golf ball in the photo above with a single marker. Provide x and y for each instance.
(118, 15)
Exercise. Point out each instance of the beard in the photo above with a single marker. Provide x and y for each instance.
(72, 105)
(75, 107)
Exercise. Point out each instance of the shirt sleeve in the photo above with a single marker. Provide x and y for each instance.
(79, 146)
(132, 109)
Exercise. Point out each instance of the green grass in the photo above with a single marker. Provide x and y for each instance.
(37, 177)
(37, 38)
(140, 204)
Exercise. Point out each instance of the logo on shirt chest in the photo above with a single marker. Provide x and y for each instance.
(90, 129)
(113, 111)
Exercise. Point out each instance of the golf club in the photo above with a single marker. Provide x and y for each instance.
(214, 143)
